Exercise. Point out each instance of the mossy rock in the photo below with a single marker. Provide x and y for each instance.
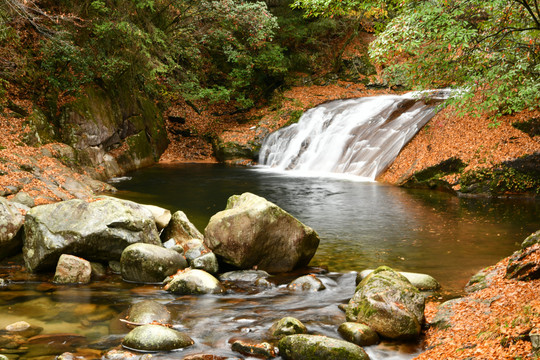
(156, 338)
(287, 326)
(317, 347)
(431, 177)
(531, 240)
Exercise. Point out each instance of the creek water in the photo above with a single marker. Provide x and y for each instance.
(361, 225)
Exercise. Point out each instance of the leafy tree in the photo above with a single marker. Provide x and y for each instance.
(491, 48)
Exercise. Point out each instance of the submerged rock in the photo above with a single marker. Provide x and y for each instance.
(420, 281)
(388, 303)
(148, 311)
(261, 350)
(314, 347)
(23, 329)
(98, 230)
(72, 270)
(194, 281)
(306, 283)
(287, 326)
(253, 232)
(181, 229)
(250, 276)
(156, 338)
(360, 334)
(150, 263)
(11, 222)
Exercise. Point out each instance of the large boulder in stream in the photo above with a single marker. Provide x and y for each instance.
(181, 229)
(98, 230)
(388, 303)
(311, 347)
(253, 232)
(11, 221)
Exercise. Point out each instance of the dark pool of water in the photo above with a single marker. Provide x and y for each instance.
(362, 225)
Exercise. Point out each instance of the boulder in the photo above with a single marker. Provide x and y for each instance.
(72, 270)
(357, 333)
(260, 350)
(155, 338)
(149, 263)
(253, 232)
(244, 275)
(306, 283)
(11, 221)
(181, 229)
(161, 216)
(388, 303)
(207, 262)
(422, 282)
(287, 326)
(524, 265)
(194, 281)
(98, 230)
(311, 347)
(481, 279)
(532, 239)
(147, 312)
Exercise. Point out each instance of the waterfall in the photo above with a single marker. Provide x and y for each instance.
(358, 137)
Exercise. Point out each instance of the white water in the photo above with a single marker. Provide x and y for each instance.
(359, 137)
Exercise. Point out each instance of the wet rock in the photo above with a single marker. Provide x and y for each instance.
(360, 334)
(263, 350)
(53, 344)
(120, 354)
(181, 229)
(531, 240)
(252, 231)
(115, 266)
(11, 222)
(98, 230)
(150, 263)
(155, 338)
(287, 326)
(98, 270)
(3, 283)
(207, 262)
(194, 281)
(481, 279)
(3, 357)
(11, 342)
(80, 355)
(208, 357)
(148, 311)
(388, 303)
(195, 248)
(250, 276)
(172, 245)
(422, 282)
(161, 216)
(72, 270)
(523, 264)
(306, 283)
(232, 150)
(310, 347)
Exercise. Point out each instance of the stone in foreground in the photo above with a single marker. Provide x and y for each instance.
(253, 232)
(306, 283)
(359, 334)
(155, 338)
(150, 263)
(315, 347)
(194, 281)
(11, 221)
(388, 303)
(72, 270)
(148, 311)
(98, 230)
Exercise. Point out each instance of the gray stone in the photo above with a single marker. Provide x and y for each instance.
(148, 311)
(261, 350)
(306, 283)
(244, 275)
(72, 270)
(443, 317)
(311, 347)
(11, 222)
(287, 326)
(98, 270)
(481, 280)
(161, 216)
(194, 281)
(253, 232)
(181, 229)
(360, 334)
(23, 198)
(388, 303)
(98, 230)
(155, 338)
(207, 262)
(422, 282)
(23, 329)
(150, 263)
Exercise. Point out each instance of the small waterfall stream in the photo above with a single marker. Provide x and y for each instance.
(358, 137)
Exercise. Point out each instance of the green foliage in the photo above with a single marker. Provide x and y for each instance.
(499, 181)
(488, 48)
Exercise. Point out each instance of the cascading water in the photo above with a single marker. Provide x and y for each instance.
(357, 136)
